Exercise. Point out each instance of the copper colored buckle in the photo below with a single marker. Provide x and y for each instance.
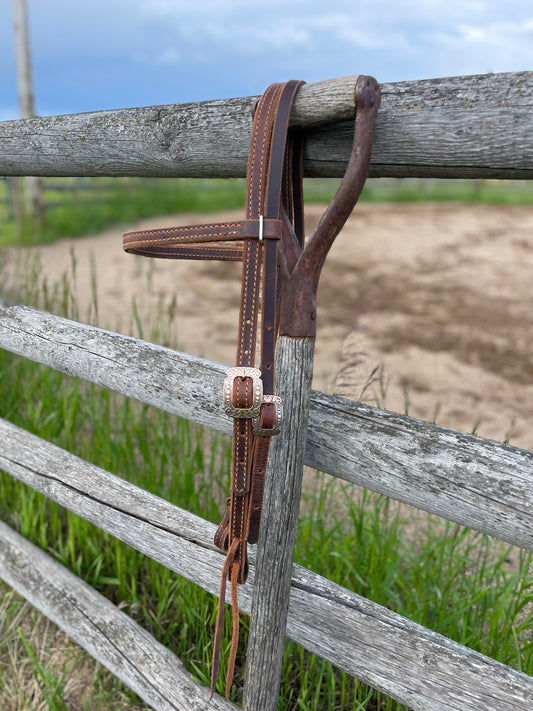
(241, 372)
(276, 428)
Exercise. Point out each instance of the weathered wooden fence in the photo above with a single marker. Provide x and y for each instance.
(461, 127)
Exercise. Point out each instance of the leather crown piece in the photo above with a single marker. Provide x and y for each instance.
(270, 244)
(274, 211)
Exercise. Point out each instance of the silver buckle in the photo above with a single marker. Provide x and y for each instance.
(276, 429)
(242, 372)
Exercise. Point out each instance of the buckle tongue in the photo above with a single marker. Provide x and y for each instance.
(242, 372)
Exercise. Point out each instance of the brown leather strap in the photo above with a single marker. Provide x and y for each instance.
(274, 216)
(258, 176)
(279, 195)
(274, 212)
(183, 242)
(220, 612)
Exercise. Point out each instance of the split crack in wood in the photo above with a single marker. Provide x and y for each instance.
(125, 511)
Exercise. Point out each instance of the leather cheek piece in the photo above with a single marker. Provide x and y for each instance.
(242, 460)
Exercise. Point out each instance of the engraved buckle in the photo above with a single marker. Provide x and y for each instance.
(276, 429)
(242, 372)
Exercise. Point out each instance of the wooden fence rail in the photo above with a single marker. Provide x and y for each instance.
(401, 658)
(459, 127)
(108, 634)
(473, 481)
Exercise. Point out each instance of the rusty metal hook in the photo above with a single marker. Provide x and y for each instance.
(298, 305)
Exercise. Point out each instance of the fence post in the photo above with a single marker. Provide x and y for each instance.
(16, 202)
(294, 368)
(295, 371)
(34, 189)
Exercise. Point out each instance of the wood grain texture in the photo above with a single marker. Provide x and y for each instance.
(461, 127)
(468, 479)
(110, 636)
(275, 554)
(417, 667)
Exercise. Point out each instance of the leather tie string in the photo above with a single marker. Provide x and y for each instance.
(274, 214)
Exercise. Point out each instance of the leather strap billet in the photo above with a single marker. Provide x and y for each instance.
(274, 213)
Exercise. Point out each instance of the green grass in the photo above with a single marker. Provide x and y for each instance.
(40, 668)
(89, 205)
(486, 192)
(445, 577)
(101, 202)
(441, 575)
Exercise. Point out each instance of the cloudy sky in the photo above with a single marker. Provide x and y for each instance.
(99, 54)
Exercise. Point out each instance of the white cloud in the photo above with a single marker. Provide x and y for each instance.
(346, 27)
(156, 49)
(241, 27)
(496, 32)
(495, 45)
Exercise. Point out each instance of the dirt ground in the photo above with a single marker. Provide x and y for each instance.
(425, 308)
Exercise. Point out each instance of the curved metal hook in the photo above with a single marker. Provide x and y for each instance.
(298, 309)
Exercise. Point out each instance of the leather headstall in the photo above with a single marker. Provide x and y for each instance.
(268, 242)
(273, 211)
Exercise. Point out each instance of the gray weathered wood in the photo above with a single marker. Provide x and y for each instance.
(404, 660)
(142, 370)
(23, 59)
(421, 669)
(171, 536)
(16, 203)
(461, 127)
(110, 636)
(264, 659)
(467, 479)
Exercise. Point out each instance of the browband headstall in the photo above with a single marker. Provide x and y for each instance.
(248, 391)
(270, 244)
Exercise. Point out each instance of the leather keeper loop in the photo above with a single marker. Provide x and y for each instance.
(267, 416)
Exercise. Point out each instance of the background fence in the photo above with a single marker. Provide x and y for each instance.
(461, 127)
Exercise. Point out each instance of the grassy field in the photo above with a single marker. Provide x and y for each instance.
(81, 206)
(459, 583)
